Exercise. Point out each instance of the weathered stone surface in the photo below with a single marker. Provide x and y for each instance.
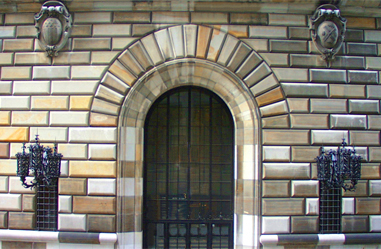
(276, 224)
(16, 73)
(303, 224)
(249, 18)
(105, 107)
(14, 134)
(163, 40)
(101, 223)
(361, 188)
(364, 106)
(270, 97)
(94, 205)
(97, 119)
(298, 105)
(250, 63)
(363, 77)
(141, 55)
(21, 220)
(228, 48)
(361, 48)
(36, 58)
(354, 224)
(286, 171)
(72, 186)
(72, 222)
(278, 108)
(115, 83)
(368, 206)
(80, 103)
(276, 188)
(102, 151)
(304, 153)
(30, 118)
(276, 153)
(215, 45)
(72, 58)
(361, 22)
(282, 206)
(328, 105)
(257, 74)
(95, 135)
(370, 171)
(50, 102)
(347, 91)
(238, 57)
(287, 20)
(278, 122)
(92, 169)
(49, 134)
(25, 44)
(348, 121)
(264, 85)
(51, 72)
(101, 186)
(109, 95)
(152, 49)
(305, 90)
(285, 137)
(313, 121)
(239, 31)
(326, 137)
(305, 188)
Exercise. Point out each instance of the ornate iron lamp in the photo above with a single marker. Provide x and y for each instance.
(43, 163)
(339, 168)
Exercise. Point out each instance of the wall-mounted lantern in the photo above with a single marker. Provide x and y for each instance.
(339, 168)
(328, 30)
(53, 24)
(43, 163)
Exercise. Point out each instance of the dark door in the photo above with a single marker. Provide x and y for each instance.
(188, 171)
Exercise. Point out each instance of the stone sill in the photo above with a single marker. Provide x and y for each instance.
(321, 239)
(60, 237)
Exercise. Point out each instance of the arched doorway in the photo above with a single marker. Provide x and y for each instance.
(188, 171)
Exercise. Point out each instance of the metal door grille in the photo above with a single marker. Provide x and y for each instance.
(47, 207)
(330, 210)
(188, 170)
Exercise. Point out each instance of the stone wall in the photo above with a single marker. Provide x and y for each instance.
(76, 99)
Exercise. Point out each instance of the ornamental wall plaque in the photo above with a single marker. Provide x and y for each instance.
(53, 24)
(328, 30)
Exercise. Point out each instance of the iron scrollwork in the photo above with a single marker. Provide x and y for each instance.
(42, 162)
(339, 168)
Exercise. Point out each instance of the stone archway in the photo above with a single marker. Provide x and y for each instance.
(179, 56)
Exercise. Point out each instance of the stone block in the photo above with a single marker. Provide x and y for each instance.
(16, 187)
(354, 35)
(14, 134)
(72, 222)
(374, 122)
(65, 203)
(375, 153)
(368, 205)
(264, 85)
(35, 118)
(92, 17)
(50, 102)
(304, 153)
(305, 188)
(287, 20)
(285, 137)
(249, 18)
(348, 121)
(80, 103)
(327, 137)
(278, 108)
(153, 50)
(275, 59)
(16, 73)
(361, 22)
(170, 17)
(227, 49)
(81, 30)
(347, 91)
(348, 206)
(259, 45)
(132, 17)
(277, 122)
(276, 224)
(282, 206)
(101, 186)
(364, 106)
(328, 105)
(101, 223)
(73, 151)
(51, 72)
(361, 188)
(102, 151)
(270, 97)
(10, 202)
(4, 149)
(120, 43)
(372, 35)
(249, 64)
(25, 44)
(304, 224)
(354, 224)
(69, 118)
(312, 206)
(364, 138)
(363, 77)
(72, 58)
(306, 60)
(276, 153)
(74, 87)
(210, 18)
(373, 92)
(375, 223)
(19, 18)
(348, 62)
(97, 119)
(215, 45)
(288, 46)
(103, 57)
(239, 31)
(94, 205)
(373, 63)
(72, 186)
(291, 74)
(302, 33)
(31, 87)
(328, 75)
(21, 220)
(5, 119)
(361, 48)
(144, 29)
(305, 90)
(276, 188)
(370, 171)
(286, 171)
(92, 169)
(8, 167)
(258, 74)
(49, 134)
(3, 220)
(141, 55)
(7, 32)
(105, 107)
(375, 187)
(87, 72)
(6, 59)
(111, 30)
(36, 58)
(298, 105)
(5, 87)
(267, 32)
(91, 44)
(28, 203)
(14, 102)
(313, 121)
